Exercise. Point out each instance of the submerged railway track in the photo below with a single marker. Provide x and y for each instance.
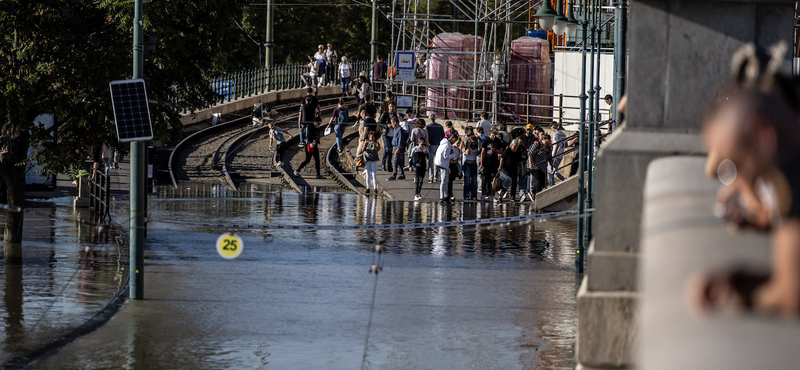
(237, 152)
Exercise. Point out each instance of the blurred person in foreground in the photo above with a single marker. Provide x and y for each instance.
(753, 140)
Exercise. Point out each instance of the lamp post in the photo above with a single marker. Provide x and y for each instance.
(546, 15)
(580, 250)
(620, 46)
(373, 54)
(268, 44)
(137, 196)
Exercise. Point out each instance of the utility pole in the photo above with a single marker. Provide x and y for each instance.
(137, 196)
(268, 44)
(373, 55)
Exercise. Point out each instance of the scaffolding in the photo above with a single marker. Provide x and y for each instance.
(479, 68)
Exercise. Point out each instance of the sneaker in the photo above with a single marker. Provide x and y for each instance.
(483, 197)
(367, 192)
(391, 179)
(430, 181)
(418, 197)
(401, 177)
(280, 164)
(301, 145)
(296, 174)
(320, 177)
(505, 195)
(522, 198)
(496, 200)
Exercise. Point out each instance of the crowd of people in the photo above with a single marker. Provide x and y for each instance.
(495, 164)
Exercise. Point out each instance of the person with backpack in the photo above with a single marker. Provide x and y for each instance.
(311, 149)
(418, 162)
(342, 119)
(276, 137)
(309, 111)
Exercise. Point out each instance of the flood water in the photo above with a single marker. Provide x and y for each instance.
(498, 296)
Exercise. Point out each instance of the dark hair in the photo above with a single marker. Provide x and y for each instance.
(480, 130)
(546, 136)
(608, 97)
(310, 55)
(538, 129)
(449, 123)
(341, 102)
(389, 94)
(484, 115)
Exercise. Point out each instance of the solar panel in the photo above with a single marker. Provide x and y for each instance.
(131, 113)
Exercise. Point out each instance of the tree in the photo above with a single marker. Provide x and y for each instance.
(58, 57)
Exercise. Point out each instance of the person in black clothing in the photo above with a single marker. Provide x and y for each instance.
(539, 156)
(386, 125)
(512, 164)
(309, 111)
(311, 149)
(435, 136)
(418, 161)
(490, 164)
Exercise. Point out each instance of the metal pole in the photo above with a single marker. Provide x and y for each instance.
(580, 250)
(137, 195)
(373, 54)
(268, 43)
(587, 230)
(620, 62)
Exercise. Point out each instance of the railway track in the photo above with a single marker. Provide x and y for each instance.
(235, 152)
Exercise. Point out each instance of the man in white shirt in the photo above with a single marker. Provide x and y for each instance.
(444, 154)
(485, 123)
(559, 142)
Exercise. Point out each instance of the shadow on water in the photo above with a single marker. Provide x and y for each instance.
(70, 268)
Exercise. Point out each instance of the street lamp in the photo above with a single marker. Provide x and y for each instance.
(572, 23)
(560, 25)
(546, 15)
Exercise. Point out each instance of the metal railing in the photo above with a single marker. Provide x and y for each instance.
(100, 194)
(255, 81)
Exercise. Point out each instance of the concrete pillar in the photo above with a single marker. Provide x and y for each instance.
(680, 51)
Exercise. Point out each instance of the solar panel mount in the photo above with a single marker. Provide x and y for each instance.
(131, 112)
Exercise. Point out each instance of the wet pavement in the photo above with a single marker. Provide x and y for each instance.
(70, 271)
(496, 297)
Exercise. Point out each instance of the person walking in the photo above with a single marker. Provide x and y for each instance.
(511, 163)
(485, 123)
(370, 148)
(364, 90)
(322, 59)
(435, 137)
(341, 117)
(379, 70)
(559, 142)
(444, 154)
(345, 73)
(330, 67)
(399, 147)
(276, 137)
(309, 111)
(312, 78)
(490, 165)
(311, 149)
(386, 123)
(539, 157)
(455, 165)
(418, 162)
(470, 168)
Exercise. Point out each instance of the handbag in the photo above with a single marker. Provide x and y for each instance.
(311, 147)
(360, 161)
(327, 131)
